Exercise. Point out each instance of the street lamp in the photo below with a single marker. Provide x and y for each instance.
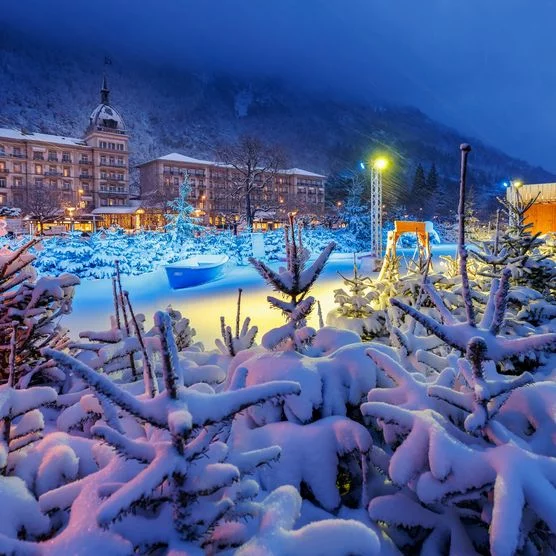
(71, 211)
(377, 167)
(380, 164)
(138, 213)
(513, 197)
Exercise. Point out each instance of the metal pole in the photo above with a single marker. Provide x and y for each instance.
(376, 212)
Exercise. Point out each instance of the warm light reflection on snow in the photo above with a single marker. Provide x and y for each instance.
(203, 305)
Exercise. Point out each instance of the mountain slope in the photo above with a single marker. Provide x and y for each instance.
(167, 110)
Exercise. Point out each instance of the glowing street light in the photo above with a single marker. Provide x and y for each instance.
(380, 164)
(513, 196)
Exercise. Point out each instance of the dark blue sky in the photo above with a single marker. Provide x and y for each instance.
(486, 67)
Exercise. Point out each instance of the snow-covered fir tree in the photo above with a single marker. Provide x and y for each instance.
(355, 212)
(181, 224)
(30, 312)
(294, 283)
(358, 307)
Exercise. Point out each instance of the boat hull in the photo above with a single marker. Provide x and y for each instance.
(195, 273)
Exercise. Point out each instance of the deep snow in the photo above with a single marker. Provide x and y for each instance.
(203, 305)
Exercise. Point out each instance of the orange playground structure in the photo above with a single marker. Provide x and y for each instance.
(406, 227)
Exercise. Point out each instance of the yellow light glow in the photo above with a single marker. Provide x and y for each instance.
(380, 163)
(517, 183)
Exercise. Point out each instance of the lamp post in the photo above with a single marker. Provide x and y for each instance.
(377, 168)
(71, 211)
(138, 214)
(513, 197)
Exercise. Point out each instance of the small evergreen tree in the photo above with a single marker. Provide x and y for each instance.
(244, 337)
(431, 192)
(419, 189)
(356, 302)
(181, 224)
(294, 283)
(356, 213)
(30, 312)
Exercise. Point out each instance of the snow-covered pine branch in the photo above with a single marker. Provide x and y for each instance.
(243, 338)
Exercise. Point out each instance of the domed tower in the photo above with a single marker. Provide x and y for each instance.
(107, 135)
(105, 117)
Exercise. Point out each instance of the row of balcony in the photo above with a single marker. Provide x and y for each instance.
(107, 191)
(83, 176)
(4, 154)
(181, 172)
(41, 158)
(113, 164)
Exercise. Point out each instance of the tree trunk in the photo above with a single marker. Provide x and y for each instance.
(249, 214)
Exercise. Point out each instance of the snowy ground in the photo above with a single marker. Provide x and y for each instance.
(204, 304)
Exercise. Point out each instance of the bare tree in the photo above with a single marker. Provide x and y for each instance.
(253, 166)
(41, 203)
(155, 204)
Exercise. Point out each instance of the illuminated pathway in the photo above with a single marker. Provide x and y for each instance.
(203, 305)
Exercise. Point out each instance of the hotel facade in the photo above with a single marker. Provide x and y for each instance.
(214, 198)
(90, 177)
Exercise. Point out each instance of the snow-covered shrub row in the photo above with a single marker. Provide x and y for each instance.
(94, 257)
(314, 238)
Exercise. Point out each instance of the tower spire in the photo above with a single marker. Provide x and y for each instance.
(104, 92)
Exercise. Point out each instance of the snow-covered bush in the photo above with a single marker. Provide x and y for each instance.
(356, 310)
(180, 476)
(243, 338)
(293, 282)
(30, 312)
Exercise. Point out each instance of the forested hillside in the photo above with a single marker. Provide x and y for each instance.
(166, 110)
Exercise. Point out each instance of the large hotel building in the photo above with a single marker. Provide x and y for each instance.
(91, 177)
(88, 174)
(214, 199)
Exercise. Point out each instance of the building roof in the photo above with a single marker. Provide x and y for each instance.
(176, 157)
(300, 172)
(6, 133)
(542, 192)
(105, 117)
(115, 210)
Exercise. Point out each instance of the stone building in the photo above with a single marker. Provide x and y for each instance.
(212, 195)
(89, 174)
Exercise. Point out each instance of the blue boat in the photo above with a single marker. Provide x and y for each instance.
(196, 270)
